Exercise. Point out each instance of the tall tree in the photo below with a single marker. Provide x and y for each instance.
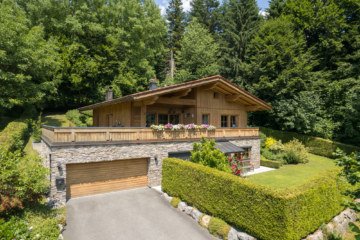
(207, 12)
(28, 63)
(199, 56)
(176, 20)
(240, 21)
(276, 8)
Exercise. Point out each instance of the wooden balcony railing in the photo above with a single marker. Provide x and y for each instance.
(97, 135)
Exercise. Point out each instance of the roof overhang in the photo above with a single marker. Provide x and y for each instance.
(215, 83)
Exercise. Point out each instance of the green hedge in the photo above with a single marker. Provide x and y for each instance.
(261, 211)
(13, 136)
(268, 163)
(319, 146)
(83, 119)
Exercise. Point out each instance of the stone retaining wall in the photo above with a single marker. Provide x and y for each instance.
(60, 156)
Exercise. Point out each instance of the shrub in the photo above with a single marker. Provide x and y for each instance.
(296, 152)
(14, 229)
(277, 147)
(268, 163)
(23, 181)
(175, 202)
(13, 136)
(269, 142)
(83, 119)
(318, 146)
(263, 139)
(204, 153)
(219, 227)
(261, 211)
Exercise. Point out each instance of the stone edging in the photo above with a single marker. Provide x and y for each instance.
(339, 223)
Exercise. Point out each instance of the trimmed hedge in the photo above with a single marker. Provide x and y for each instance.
(319, 146)
(268, 163)
(13, 136)
(261, 211)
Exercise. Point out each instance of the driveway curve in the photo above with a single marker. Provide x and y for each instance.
(138, 214)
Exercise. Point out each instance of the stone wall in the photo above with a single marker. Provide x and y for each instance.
(60, 156)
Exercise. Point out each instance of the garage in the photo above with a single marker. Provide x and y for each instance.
(85, 179)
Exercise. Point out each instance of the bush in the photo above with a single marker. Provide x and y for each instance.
(14, 229)
(269, 142)
(175, 202)
(296, 152)
(13, 136)
(263, 139)
(23, 181)
(318, 146)
(219, 227)
(204, 153)
(261, 211)
(83, 119)
(268, 163)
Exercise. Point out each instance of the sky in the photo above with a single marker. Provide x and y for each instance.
(186, 4)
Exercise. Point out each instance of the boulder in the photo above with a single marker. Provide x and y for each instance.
(61, 228)
(331, 227)
(245, 236)
(196, 214)
(350, 215)
(233, 234)
(182, 206)
(205, 220)
(318, 235)
(167, 197)
(341, 229)
(60, 237)
(337, 220)
(188, 210)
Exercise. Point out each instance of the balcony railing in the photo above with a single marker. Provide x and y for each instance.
(97, 135)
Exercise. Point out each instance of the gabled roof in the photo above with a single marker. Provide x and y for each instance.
(219, 83)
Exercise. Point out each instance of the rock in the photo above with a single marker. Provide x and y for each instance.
(331, 227)
(346, 224)
(167, 197)
(182, 206)
(61, 228)
(245, 236)
(196, 214)
(350, 215)
(318, 235)
(60, 237)
(233, 234)
(337, 220)
(188, 210)
(205, 220)
(341, 229)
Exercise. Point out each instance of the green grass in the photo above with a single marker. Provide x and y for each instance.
(6, 121)
(292, 175)
(55, 119)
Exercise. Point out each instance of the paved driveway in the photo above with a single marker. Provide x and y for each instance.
(133, 214)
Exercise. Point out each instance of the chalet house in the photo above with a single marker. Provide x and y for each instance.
(121, 151)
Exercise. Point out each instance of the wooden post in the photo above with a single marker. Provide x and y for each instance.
(137, 135)
(107, 136)
(73, 136)
(143, 116)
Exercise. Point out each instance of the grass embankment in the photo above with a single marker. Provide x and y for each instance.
(55, 119)
(292, 175)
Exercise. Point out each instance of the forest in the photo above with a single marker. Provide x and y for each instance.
(301, 56)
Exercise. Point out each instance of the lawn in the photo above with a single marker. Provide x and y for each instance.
(5, 121)
(291, 175)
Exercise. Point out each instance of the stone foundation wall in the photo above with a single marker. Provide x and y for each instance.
(60, 156)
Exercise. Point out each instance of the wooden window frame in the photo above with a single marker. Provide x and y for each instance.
(207, 114)
(215, 95)
(248, 150)
(155, 123)
(168, 117)
(227, 120)
(236, 120)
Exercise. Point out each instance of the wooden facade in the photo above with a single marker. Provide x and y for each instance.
(214, 101)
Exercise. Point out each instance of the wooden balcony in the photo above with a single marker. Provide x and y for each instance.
(60, 136)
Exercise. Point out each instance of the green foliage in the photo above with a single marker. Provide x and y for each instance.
(22, 179)
(328, 235)
(29, 62)
(269, 142)
(206, 154)
(268, 163)
(276, 8)
(176, 21)
(277, 147)
(175, 202)
(199, 55)
(296, 152)
(36, 129)
(263, 139)
(316, 146)
(219, 227)
(14, 229)
(13, 136)
(264, 213)
(83, 119)
(207, 12)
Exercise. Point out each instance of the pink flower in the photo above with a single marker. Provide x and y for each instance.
(241, 160)
(238, 171)
(233, 172)
(230, 159)
(249, 161)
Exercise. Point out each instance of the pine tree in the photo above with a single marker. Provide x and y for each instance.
(176, 20)
(240, 21)
(207, 13)
(276, 8)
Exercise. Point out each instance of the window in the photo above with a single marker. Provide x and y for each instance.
(163, 119)
(150, 119)
(216, 95)
(174, 119)
(233, 121)
(206, 119)
(247, 153)
(224, 121)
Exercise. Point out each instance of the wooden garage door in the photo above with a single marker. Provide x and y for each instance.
(101, 177)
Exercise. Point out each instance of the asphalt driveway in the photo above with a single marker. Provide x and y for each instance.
(133, 214)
